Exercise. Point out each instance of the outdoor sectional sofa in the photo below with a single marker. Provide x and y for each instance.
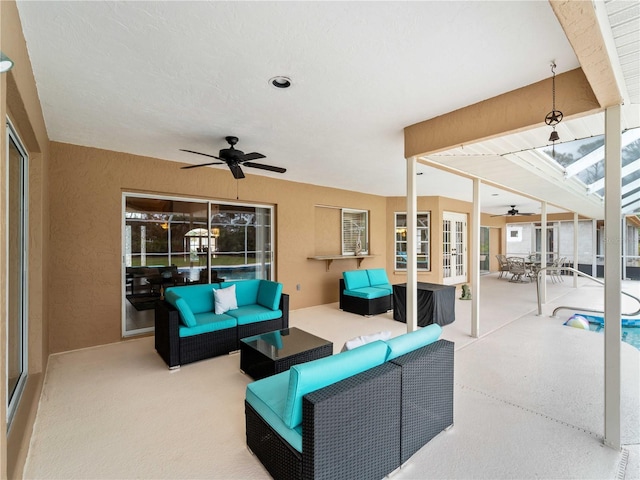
(359, 414)
(188, 329)
(366, 292)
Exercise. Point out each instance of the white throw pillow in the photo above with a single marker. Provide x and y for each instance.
(225, 299)
(364, 339)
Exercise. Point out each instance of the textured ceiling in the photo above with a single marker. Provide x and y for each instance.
(150, 78)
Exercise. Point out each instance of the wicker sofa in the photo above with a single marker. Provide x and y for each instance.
(358, 425)
(366, 292)
(187, 329)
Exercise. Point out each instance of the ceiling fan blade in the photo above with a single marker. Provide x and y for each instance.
(251, 156)
(202, 165)
(200, 153)
(237, 171)
(261, 166)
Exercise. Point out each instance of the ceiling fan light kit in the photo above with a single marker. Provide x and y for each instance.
(235, 159)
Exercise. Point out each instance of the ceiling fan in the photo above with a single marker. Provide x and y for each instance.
(235, 159)
(512, 213)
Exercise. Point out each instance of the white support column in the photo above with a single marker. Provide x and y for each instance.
(594, 243)
(625, 249)
(575, 248)
(543, 252)
(412, 255)
(612, 275)
(475, 260)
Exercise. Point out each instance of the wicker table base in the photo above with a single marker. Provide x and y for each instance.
(275, 352)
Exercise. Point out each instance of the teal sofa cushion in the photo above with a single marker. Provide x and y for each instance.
(354, 279)
(377, 276)
(186, 315)
(246, 291)
(254, 313)
(268, 397)
(408, 342)
(367, 292)
(311, 376)
(208, 322)
(199, 297)
(269, 294)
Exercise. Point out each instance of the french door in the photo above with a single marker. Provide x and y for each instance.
(454, 248)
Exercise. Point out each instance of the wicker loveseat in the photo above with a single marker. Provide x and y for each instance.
(322, 420)
(366, 292)
(187, 329)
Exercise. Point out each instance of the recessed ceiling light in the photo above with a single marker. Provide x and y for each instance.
(495, 194)
(280, 82)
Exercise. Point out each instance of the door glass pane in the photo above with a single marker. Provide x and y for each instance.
(241, 242)
(166, 243)
(17, 268)
(172, 242)
(485, 256)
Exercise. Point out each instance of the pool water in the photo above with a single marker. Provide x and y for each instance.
(630, 335)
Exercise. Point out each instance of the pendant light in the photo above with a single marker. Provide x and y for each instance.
(554, 117)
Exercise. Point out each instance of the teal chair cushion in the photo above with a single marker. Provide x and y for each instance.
(377, 276)
(254, 313)
(206, 323)
(246, 291)
(311, 376)
(199, 297)
(269, 294)
(354, 279)
(411, 341)
(268, 397)
(367, 292)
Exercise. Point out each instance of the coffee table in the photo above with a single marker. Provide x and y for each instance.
(274, 352)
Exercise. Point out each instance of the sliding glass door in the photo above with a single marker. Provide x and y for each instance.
(17, 314)
(171, 241)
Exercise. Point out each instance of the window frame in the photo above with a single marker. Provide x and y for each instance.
(14, 396)
(348, 240)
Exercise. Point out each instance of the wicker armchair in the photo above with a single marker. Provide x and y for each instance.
(503, 265)
(365, 426)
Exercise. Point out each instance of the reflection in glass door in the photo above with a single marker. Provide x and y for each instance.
(171, 242)
(485, 254)
(17, 266)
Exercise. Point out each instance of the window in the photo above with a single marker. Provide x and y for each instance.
(422, 240)
(355, 232)
(17, 299)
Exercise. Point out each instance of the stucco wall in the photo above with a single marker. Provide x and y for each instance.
(85, 236)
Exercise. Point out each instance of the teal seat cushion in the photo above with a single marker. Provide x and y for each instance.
(367, 292)
(355, 279)
(411, 341)
(246, 291)
(268, 397)
(269, 294)
(208, 322)
(254, 313)
(388, 288)
(377, 276)
(198, 297)
(311, 376)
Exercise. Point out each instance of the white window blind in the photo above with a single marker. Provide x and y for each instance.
(355, 232)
